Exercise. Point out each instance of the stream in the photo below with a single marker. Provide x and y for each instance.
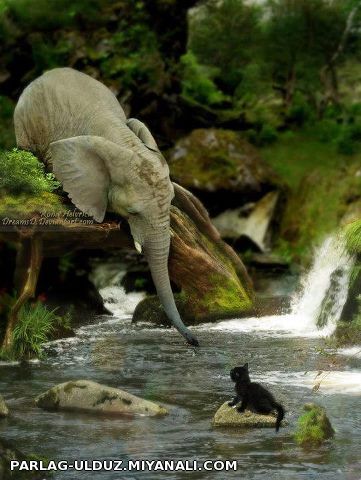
(285, 352)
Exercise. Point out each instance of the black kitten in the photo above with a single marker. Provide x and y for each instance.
(253, 396)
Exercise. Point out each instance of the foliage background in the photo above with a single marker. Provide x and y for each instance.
(285, 74)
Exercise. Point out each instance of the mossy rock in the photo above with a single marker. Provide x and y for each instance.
(227, 416)
(92, 397)
(348, 333)
(150, 310)
(9, 452)
(308, 217)
(215, 159)
(314, 427)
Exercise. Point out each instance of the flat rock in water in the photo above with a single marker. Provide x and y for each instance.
(4, 411)
(87, 396)
(229, 417)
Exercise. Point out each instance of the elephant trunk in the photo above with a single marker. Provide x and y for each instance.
(156, 250)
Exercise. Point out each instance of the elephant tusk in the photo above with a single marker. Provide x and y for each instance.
(138, 247)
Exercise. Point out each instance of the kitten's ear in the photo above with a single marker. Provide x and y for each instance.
(245, 366)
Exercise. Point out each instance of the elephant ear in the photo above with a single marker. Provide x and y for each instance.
(142, 132)
(82, 164)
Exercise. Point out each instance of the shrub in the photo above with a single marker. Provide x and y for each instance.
(350, 136)
(265, 136)
(29, 15)
(345, 143)
(327, 130)
(197, 81)
(300, 111)
(21, 172)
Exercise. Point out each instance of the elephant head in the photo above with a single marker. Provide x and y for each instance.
(101, 175)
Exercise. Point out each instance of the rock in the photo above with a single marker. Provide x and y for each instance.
(88, 396)
(4, 411)
(210, 161)
(229, 417)
(267, 306)
(213, 280)
(313, 426)
(251, 220)
(9, 452)
(150, 310)
(268, 262)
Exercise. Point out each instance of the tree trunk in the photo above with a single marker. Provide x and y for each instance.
(28, 263)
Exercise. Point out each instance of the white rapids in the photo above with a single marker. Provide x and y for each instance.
(327, 279)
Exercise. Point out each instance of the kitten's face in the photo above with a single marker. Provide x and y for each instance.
(240, 374)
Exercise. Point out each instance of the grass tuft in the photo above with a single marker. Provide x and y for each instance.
(36, 325)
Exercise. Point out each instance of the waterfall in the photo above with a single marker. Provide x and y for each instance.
(324, 288)
(107, 277)
(318, 305)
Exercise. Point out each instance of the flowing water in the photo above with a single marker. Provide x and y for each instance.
(283, 352)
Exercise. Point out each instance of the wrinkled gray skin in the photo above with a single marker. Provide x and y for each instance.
(104, 161)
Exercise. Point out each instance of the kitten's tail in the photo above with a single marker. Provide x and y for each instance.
(280, 415)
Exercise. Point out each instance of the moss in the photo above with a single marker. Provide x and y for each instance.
(215, 159)
(348, 333)
(21, 172)
(49, 400)
(353, 237)
(25, 206)
(322, 183)
(225, 297)
(106, 397)
(316, 207)
(313, 427)
(69, 387)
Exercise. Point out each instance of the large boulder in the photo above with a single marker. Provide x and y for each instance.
(210, 161)
(4, 411)
(88, 396)
(227, 416)
(150, 310)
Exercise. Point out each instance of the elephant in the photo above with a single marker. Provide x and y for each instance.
(105, 162)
